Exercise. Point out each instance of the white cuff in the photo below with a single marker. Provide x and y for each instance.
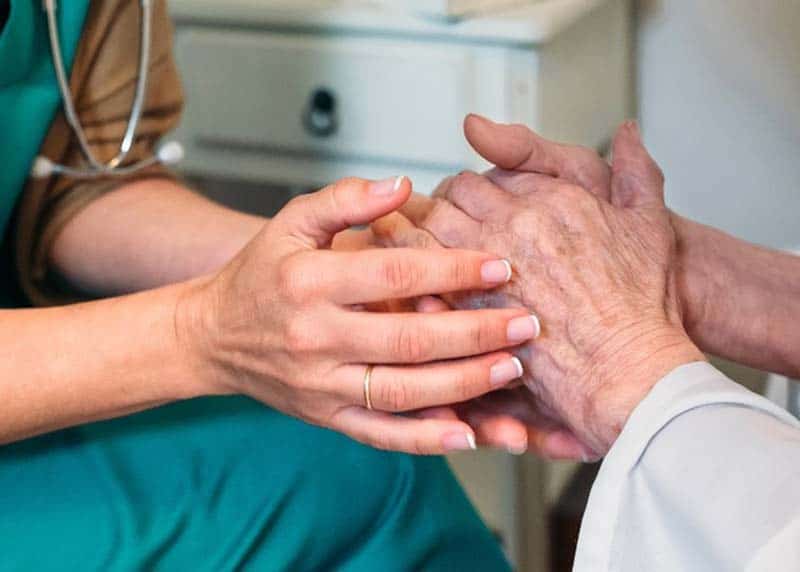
(686, 388)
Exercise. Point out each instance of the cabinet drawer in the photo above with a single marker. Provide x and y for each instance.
(369, 99)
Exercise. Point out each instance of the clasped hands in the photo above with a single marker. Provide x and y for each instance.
(593, 252)
(555, 269)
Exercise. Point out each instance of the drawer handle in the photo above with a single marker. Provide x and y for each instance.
(320, 117)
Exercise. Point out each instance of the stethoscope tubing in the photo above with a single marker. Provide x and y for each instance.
(95, 167)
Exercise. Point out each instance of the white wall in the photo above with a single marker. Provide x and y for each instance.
(719, 96)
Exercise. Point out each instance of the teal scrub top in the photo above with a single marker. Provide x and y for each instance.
(29, 96)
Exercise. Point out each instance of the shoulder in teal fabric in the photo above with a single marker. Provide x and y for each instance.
(29, 96)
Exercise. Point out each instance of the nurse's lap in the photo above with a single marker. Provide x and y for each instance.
(222, 483)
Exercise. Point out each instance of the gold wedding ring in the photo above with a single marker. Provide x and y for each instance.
(367, 382)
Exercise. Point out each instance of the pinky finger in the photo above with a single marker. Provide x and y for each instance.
(404, 434)
(491, 430)
(499, 431)
(442, 413)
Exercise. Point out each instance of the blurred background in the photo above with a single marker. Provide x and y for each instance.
(284, 96)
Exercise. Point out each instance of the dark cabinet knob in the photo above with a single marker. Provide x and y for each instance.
(320, 117)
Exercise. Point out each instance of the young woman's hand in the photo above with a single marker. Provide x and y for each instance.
(285, 322)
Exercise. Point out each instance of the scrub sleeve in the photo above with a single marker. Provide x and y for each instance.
(209, 484)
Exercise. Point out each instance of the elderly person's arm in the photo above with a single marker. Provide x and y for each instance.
(740, 301)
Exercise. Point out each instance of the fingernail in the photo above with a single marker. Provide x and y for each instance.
(505, 371)
(518, 449)
(523, 329)
(482, 118)
(459, 442)
(496, 271)
(386, 186)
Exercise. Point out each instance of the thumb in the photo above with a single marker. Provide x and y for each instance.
(317, 217)
(511, 147)
(518, 148)
(636, 179)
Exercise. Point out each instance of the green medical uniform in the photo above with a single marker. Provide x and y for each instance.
(208, 484)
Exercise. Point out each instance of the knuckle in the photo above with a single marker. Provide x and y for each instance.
(485, 336)
(524, 223)
(462, 185)
(300, 338)
(285, 276)
(297, 282)
(396, 397)
(341, 194)
(342, 186)
(465, 178)
(400, 276)
(410, 345)
(419, 446)
(465, 384)
(298, 209)
(317, 412)
(572, 200)
(440, 219)
(570, 195)
(298, 203)
(389, 229)
(461, 273)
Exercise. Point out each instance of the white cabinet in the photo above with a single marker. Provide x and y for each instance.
(264, 90)
(397, 86)
(306, 92)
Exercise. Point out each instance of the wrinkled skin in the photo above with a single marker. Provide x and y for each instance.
(597, 274)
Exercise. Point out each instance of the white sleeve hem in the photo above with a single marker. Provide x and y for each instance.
(686, 388)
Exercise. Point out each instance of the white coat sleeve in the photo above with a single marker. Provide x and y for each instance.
(705, 476)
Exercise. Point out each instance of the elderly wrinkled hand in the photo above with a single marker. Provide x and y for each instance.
(597, 275)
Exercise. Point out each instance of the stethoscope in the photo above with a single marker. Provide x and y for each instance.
(168, 153)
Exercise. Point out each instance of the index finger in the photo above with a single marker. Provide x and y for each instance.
(385, 274)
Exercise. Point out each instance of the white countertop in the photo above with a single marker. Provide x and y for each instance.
(534, 24)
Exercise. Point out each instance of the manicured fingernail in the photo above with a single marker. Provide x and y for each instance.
(523, 329)
(459, 442)
(496, 271)
(386, 187)
(505, 371)
(518, 449)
